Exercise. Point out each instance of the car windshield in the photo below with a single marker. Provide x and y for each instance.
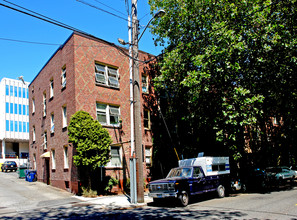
(180, 172)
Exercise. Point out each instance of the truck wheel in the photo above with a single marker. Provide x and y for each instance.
(184, 199)
(221, 191)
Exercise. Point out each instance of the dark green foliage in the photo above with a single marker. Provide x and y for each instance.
(92, 145)
(228, 67)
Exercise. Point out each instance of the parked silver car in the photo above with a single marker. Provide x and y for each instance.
(280, 175)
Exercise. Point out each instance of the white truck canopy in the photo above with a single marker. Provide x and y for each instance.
(210, 165)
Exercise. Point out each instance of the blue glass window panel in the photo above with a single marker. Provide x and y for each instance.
(7, 90)
(27, 127)
(20, 92)
(16, 126)
(24, 93)
(24, 126)
(7, 107)
(15, 108)
(20, 109)
(11, 90)
(11, 125)
(27, 109)
(24, 109)
(15, 91)
(27, 92)
(7, 125)
(20, 126)
(11, 108)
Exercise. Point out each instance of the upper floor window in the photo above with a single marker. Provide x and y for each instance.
(115, 159)
(45, 140)
(108, 114)
(63, 77)
(15, 91)
(64, 117)
(66, 163)
(106, 75)
(33, 105)
(52, 123)
(148, 155)
(53, 159)
(33, 134)
(144, 80)
(7, 90)
(51, 88)
(146, 119)
(44, 104)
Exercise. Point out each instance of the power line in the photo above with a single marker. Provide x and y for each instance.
(110, 7)
(100, 9)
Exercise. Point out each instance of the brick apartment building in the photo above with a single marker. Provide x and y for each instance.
(89, 74)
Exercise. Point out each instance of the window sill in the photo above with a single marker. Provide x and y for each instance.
(107, 86)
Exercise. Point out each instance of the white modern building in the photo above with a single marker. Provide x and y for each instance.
(14, 120)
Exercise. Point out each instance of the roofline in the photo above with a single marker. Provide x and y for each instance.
(89, 36)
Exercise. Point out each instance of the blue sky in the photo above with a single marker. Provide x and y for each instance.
(27, 59)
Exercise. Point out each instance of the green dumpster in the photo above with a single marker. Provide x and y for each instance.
(22, 173)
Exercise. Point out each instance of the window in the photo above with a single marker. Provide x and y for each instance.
(146, 119)
(20, 92)
(33, 134)
(7, 90)
(11, 108)
(7, 125)
(148, 155)
(66, 164)
(24, 93)
(106, 75)
(24, 126)
(34, 161)
(144, 80)
(51, 88)
(52, 123)
(20, 126)
(24, 109)
(53, 159)
(115, 160)
(11, 90)
(16, 126)
(33, 105)
(7, 107)
(15, 91)
(44, 104)
(107, 114)
(64, 114)
(15, 108)
(219, 167)
(63, 77)
(45, 140)
(11, 125)
(20, 109)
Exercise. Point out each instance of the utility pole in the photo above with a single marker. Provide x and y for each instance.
(137, 107)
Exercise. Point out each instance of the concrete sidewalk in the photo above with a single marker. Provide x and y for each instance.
(113, 202)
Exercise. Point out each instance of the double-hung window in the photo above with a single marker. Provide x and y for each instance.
(63, 77)
(64, 117)
(44, 105)
(52, 123)
(146, 119)
(51, 88)
(53, 159)
(144, 81)
(106, 75)
(66, 161)
(108, 114)
(115, 160)
(45, 140)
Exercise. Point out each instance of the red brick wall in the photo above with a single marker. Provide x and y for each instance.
(81, 93)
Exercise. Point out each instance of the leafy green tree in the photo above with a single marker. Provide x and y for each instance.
(227, 68)
(92, 143)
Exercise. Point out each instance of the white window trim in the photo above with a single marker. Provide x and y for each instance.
(149, 119)
(64, 116)
(63, 77)
(51, 88)
(52, 123)
(66, 160)
(146, 84)
(53, 155)
(108, 73)
(109, 165)
(150, 155)
(108, 114)
(33, 105)
(44, 104)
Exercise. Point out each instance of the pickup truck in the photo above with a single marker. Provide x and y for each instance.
(192, 177)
